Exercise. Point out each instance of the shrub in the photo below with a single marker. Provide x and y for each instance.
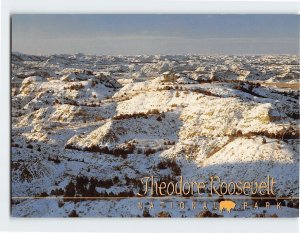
(282, 134)
(70, 190)
(137, 115)
(146, 213)
(290, 204)
(88, 72)
(264, 215)
(55, 160)
(153, 111)
(43, 194)
(76, 87)
(129, 116)
(73, 214)
(60, 203)
(57, 192)
(149, 151)
(169, 143)
(207, 214)
(116, 180)
(205, 92)
(164, 214)
(171, 164)
(105, 183)
(139, 151)
(118, 152)
(162, 165)
(167, 88)
(82, 183)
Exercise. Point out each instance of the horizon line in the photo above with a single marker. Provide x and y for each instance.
(167, 54)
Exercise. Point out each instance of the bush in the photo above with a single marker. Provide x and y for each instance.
(105, 183)
(164, 214)
(57, 192)
(264, 215)
(73, 214)
(139, 151)
(43, 194)
(138, 115)
(282, 134)
(60, 203)
(149, 151)
(207, 214)
(167, 88)
(118, 152)
(205, 92)
(55, 160)
(169, 143)
(153, 111)
(82, 183)
(70, 190)
(171, 164)
(116, 180)
(76, 87)
(146, 213)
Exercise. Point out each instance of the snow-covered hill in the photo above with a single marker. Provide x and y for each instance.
(92, 126)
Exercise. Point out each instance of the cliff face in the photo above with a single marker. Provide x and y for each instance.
(100, 123)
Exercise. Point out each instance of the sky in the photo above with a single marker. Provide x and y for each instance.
(133, 34)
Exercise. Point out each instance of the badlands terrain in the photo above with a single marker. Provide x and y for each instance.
(92, 126)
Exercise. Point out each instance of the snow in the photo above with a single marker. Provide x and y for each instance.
(214, 115)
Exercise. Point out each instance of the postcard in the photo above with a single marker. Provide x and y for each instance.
(155, 115)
